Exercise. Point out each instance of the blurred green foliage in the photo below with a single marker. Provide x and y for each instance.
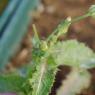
(16, 28)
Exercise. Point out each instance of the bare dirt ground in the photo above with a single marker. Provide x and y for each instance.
(46, 18)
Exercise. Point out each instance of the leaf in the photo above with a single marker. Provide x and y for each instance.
(11, 83)
(16, 29)
(42, 80)
(73, 53)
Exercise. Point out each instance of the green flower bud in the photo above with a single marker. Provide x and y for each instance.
(44, 45)
(91, 11)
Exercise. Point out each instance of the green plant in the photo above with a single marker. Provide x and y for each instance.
(13, 27)
(47, 56)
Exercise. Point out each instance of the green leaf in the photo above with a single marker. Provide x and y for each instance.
(73, 53)
(15, 30)
(42, 80)
(11, 83)
(35, 41)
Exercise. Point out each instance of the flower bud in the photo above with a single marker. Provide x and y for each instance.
(91, 11)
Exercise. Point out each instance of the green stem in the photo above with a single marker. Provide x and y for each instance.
(62, 28)
(80, 18)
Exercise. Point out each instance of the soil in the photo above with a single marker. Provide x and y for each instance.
(46, 18)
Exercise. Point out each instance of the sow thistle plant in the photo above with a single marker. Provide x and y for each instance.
(37, 78)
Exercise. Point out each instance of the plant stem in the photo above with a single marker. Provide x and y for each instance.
(79, 18)
(63, 27)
